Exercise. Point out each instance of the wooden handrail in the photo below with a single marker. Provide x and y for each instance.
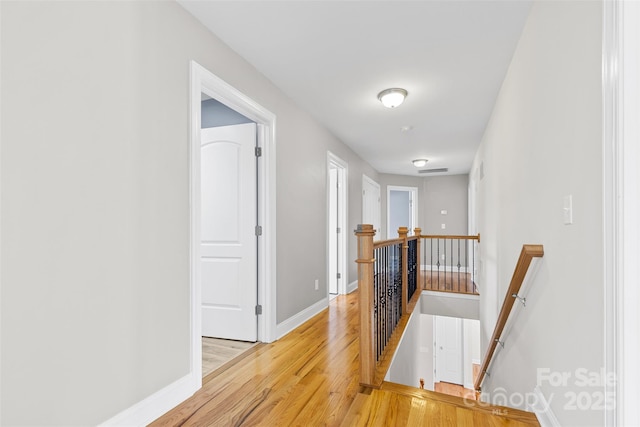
(526, 256)
(454, 237)
(388, 242)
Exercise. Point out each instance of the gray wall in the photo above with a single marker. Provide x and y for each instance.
(544, 141)
(95, 202)
(448, 192)
(215, 113)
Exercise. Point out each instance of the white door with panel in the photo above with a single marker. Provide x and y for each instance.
(448, 351)
(228, 232)
(371, 204)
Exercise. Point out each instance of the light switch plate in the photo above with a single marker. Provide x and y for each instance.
(443, 226)
(568, 209)
(443, 212)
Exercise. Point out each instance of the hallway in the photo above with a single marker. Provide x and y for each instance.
(310, 377)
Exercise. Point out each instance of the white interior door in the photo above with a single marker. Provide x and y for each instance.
(371, 204)
(334, 249)
(228, 232)
(448, 350)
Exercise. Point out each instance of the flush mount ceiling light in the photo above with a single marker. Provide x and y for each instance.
(391, 98)
(419, 162)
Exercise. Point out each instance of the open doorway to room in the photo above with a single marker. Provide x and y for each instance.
(456, 355)
(229, 265)
(232, 168)
(336, 218)
(402, 209)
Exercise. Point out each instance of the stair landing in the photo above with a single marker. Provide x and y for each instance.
(399, 405)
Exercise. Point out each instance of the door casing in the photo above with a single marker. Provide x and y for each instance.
(413, 197)
(203, 81)
(336, 162)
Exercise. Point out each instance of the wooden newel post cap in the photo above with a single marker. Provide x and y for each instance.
(403, 231)
(417, 231)
(365, 229)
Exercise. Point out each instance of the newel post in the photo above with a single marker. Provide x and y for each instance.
(417, 232)
(365, 233)
(402, 233)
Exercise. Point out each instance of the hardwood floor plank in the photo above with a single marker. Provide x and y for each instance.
(417, 413)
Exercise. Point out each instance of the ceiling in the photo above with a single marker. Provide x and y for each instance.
(333, 57)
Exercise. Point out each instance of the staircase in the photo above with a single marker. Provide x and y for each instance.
(399, 405)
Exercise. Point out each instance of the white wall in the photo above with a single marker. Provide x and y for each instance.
(450, 304)
(544, 141)
(95, 202)
(404, 365)
(425, 351)
(471, 349)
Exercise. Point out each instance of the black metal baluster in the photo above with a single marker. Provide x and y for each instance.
(438, 262)
(431, 264)
(458, 242)
(444, 252)
(466, 260)
(473, 254)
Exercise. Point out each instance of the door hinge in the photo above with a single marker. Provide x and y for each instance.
(258, 309)
(338, 230)
(339, 276)
(258, 151)
(258, 230)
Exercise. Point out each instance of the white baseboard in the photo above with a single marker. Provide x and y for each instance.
(352, 286)
(542, 409)
(294, 321)
(156, 405)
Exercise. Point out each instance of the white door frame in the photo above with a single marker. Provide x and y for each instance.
(343, 206)
(366, 180)
(203, 81)
(393, 234)
(621, 162)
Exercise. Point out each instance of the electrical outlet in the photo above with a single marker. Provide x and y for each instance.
(316, 284)
(443, 226)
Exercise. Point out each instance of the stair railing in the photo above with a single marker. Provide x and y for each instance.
(513, 293)
(449, 263)
(388, 277)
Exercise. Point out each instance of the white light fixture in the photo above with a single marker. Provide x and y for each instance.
(419, 162)
(391, 98)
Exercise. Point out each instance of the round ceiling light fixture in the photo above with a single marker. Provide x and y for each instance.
(393, 97)
(419, 162)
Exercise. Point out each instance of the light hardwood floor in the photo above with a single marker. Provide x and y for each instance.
(307, 378)
(216, 352)
(450, 282)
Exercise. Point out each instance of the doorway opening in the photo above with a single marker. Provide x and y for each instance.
(456, 355)
(255, 179)
(337, 180)
(402, 209)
